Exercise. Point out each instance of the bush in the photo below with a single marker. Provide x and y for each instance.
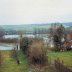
(24, 44)
(37, 52)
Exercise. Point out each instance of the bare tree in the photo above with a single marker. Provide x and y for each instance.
(57, 32)
(2, 32)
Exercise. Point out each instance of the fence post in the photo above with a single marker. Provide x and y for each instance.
(60, 66)
(0, 61)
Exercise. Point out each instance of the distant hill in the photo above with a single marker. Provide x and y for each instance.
(31, 27)
(69, 28)
(28, 27)
(67, 24)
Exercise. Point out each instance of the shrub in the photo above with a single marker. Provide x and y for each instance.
(24, 44)
(37, 52)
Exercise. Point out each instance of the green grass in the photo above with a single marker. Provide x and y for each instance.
(10, 64)
(66, 57)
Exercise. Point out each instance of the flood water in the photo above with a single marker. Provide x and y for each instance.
(6, 47)
(17, 36)
(9, 47)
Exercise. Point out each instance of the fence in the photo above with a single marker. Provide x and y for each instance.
(60, 67)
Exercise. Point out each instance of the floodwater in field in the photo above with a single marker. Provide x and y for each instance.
(17, 36)
(5, 47)
(9, 47)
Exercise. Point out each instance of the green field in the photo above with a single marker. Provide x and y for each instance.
(10, 64)
(66, 57)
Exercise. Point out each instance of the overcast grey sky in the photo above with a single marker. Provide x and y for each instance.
(35, 11)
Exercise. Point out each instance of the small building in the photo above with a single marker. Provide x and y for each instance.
(68, 43)
(69, 36)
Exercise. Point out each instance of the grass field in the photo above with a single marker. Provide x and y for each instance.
(10, 64)
(65, 56)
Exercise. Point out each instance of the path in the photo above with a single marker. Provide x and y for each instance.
(38, 68)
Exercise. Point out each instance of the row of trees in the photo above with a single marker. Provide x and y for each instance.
(56, 33)
(2, 32)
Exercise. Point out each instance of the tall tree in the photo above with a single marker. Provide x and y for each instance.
(2, 32)
(57, 32)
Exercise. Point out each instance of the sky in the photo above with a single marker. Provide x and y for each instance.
(35, 11)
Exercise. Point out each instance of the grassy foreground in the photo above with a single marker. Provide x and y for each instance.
(10, 64)
(65, 56)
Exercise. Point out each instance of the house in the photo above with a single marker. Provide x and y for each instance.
(68, 43)
(69, 36)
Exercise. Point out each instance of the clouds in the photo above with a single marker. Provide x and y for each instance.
(7, 12)
(34, 11)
